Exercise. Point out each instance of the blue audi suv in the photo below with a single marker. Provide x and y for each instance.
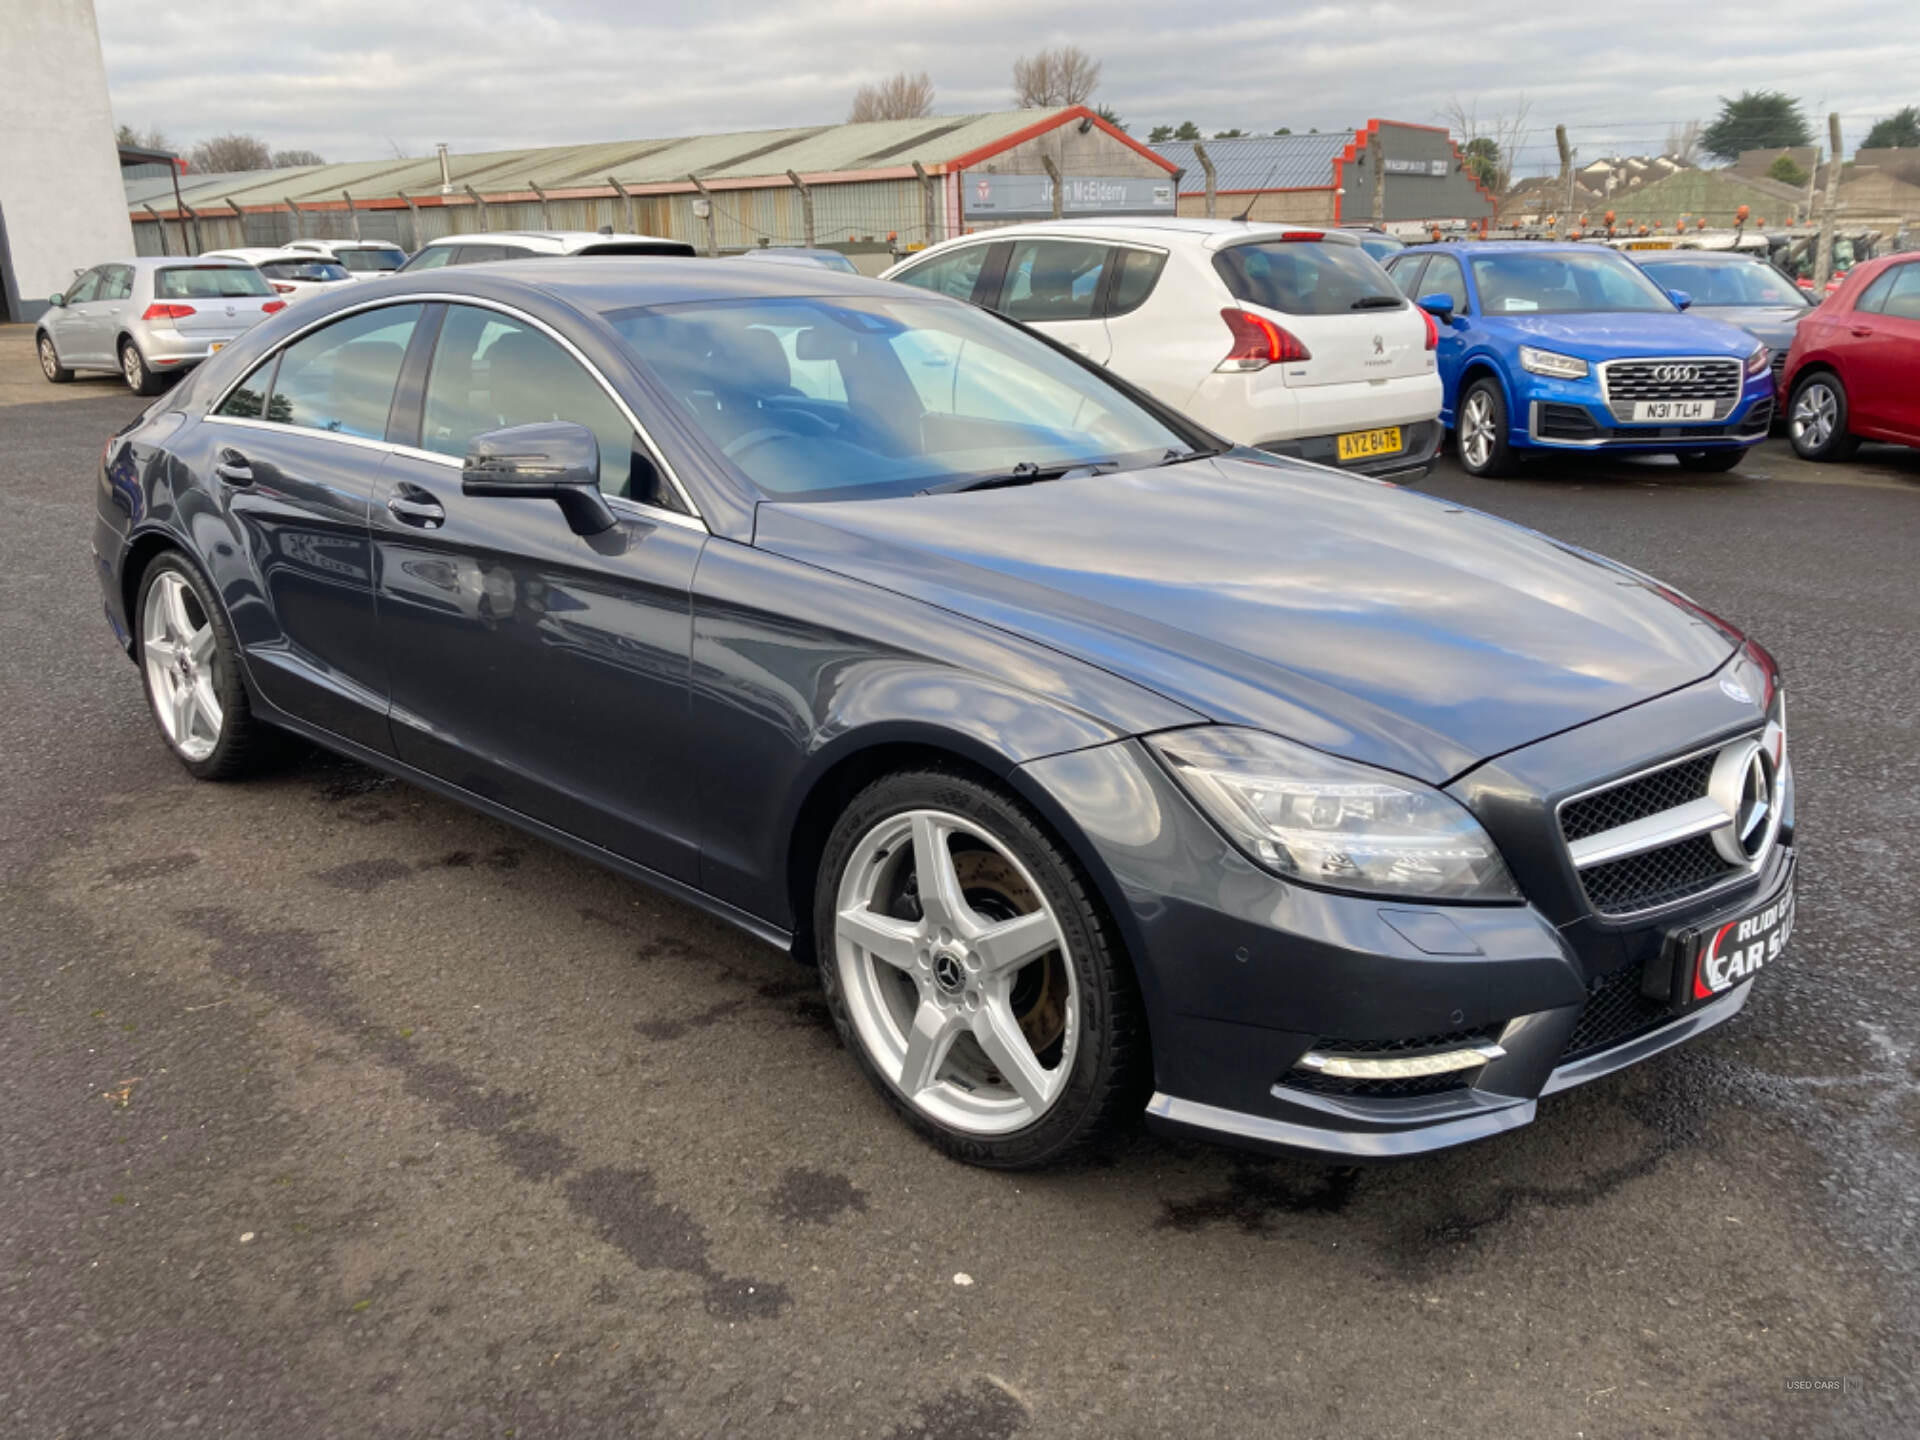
(1572, 347)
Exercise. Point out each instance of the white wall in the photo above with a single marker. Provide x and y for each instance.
(61, 200)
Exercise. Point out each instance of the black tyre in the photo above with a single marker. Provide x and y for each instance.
(1817, 418)
(973, 975)
(191, 667)
(1710, 462)
(133, 365)
(50, 365)
(1480, 431)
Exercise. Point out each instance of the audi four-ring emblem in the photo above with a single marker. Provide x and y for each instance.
(1676, 374)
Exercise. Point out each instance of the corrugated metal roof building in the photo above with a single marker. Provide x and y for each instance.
(871, 186)
(1327, 178)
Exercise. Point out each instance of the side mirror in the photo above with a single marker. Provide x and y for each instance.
(554, 460)
(56, 300)
(1680, 298)
(1438, 305)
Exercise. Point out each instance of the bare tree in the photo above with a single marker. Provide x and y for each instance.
(899, 97)
(153, 139)
(1067, 76)
(1490, 145)
(283, 159)
(1683, 142)
(224, 154)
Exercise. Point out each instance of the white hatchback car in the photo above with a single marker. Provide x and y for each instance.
(364, 259)
(295, 274)
(1285, 337)
(479, 247)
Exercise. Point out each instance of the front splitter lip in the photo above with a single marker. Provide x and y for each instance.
(1475, 1115)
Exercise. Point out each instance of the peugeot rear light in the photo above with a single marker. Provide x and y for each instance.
(1433, 330)
(167, 312)
(272, 307)
(283, 289)
(1258, 343)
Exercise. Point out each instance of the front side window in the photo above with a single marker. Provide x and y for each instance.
(953, 274)
(1306, 277)
(431, 258)
(491, 371)
(925, 393)
(1595, 281)
(341, 377)
(1903, 296)
(1053, 280)
(1405, 274)
(208, 282)
(86, 288)
(1444, 277)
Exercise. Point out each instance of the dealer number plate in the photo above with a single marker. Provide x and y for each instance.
(1363, 444)
(1669, 411)
(1717, 959)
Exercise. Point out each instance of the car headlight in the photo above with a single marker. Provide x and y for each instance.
(1549, 362)
(1324, 821)
(1757, 361)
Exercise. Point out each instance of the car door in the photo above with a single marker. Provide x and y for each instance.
(295, 449)
(1882, 359)
(1058, 287)
(111, 305)
(75, 326)
(541, 670)
(1443, 276)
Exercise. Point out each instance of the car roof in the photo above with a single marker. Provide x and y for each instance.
(1698, 257)
(1511, 247)
(1157, 230)
(346, 244)
(617, 282)
(259, 255)
(561, 239)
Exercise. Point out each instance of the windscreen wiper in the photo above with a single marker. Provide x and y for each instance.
(1025, 473)
(1377, 302)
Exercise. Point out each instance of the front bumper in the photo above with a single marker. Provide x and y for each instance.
(1574, 415)
(1419, 444)
(1243, 974)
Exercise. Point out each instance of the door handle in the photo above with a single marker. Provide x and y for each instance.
(233, 468)
(1860, 332)
(425, 513)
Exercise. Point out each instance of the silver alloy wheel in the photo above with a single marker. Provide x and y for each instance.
(957, 1007)
(1476, 430)
(49, 357)
(1815, 412)
(131, 366)
(179, 657)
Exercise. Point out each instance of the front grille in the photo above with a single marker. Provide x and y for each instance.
(1656, 877)
(1319, 1084)
(1759, 419)
(1666, 789)
(1778, 364)
(1616, 1011)
(1625, 381)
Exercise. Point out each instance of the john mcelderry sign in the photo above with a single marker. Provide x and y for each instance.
(1416, 167)
(1030, 197)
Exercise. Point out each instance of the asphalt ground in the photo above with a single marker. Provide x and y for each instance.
(330, 1108)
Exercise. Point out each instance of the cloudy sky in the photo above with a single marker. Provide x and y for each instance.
(354, 79)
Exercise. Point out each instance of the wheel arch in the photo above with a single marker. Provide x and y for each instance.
(1484, 367)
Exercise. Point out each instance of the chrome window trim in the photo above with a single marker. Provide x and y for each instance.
(638, 509)
(692, 515)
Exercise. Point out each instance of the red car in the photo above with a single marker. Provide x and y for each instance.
(1853, 373)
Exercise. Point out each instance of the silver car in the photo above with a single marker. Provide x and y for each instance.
(150, 317)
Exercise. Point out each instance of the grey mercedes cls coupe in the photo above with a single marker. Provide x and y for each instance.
(148, 318)
(1102, 768)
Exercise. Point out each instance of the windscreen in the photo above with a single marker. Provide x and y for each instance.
(208, 282)
(1558, 282)
(316, 269)
(1728, 282)
(364, 261)
(816, 398)
(1306, 277)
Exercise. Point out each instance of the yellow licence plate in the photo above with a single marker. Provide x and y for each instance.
(211, 349)
(1363, 444)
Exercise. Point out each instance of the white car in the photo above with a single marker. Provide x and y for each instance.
(485, 245)
(1286, 337)
(364, 259)
(295, 274)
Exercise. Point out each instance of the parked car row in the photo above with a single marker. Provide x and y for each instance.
(1291, 339)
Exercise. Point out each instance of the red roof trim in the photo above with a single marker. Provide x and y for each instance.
(1072, 114)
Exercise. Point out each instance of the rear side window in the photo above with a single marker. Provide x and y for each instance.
(1053, 280)
(341, 378)
(208, 282)
(491, 371)
(1306, 277)
(364, 261)
(952, 274)
(1139, 272)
